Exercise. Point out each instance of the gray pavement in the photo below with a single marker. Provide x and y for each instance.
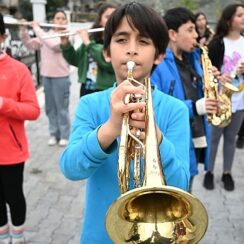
(55, 204)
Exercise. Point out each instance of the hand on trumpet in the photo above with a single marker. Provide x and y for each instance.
(119, 107)
(136, 110)
(109, 131)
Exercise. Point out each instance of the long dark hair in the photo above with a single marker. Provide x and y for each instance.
(223, 25)
(102, 7)
(2, 26)
(208, 33)
(59, 11)
(200, 14)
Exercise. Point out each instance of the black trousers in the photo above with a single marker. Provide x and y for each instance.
(11, 193)
(241, 131)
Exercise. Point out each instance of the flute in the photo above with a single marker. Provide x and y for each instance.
(29, 23)
(71, 33)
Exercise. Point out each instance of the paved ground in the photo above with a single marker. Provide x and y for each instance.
(55, 204)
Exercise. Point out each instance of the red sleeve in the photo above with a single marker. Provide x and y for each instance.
(26, 106)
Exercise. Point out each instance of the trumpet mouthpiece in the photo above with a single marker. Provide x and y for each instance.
(130, 65)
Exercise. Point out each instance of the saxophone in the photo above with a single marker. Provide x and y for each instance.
(150, 212)
(222, 117)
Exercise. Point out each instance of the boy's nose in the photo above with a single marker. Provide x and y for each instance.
(131, 52)
(195, 34)
(132, 48)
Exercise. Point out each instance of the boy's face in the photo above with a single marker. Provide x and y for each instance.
(185, 38)
(128, 45)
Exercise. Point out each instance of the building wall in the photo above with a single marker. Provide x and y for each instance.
(9, 3)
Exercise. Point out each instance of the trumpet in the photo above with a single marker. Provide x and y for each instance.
(151, 212)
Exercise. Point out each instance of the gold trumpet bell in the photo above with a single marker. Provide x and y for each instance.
(153, 212)
(163, 214)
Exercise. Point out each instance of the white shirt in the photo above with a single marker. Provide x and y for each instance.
(234, 53)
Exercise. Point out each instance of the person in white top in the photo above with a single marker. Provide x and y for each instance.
(227, 54)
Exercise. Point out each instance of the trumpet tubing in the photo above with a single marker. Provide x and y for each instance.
(151, 212)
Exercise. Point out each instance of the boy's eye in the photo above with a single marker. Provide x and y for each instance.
(144, 41)
(120, 40)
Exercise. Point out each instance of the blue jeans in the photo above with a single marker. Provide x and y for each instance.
(57, 105)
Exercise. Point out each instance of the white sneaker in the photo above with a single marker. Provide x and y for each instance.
(63, 143)
(52, 141)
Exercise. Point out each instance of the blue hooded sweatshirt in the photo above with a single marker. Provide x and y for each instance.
(167, 79)
(85, 159)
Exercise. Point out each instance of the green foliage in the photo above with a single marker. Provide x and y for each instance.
(25, 9)
(189, 4)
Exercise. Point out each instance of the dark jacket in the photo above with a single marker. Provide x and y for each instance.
(216, 50)
(167, 79)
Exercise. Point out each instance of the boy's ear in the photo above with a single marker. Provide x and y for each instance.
(159, 59)
(172, 35)
(106, 55)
